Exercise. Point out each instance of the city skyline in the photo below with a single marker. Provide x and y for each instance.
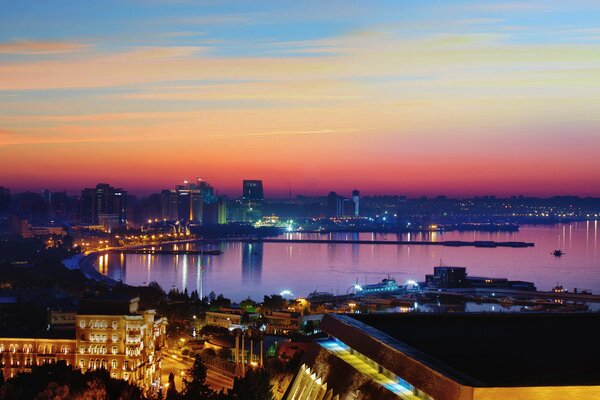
(458, 98)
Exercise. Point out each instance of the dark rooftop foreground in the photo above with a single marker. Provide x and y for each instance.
(503, 349)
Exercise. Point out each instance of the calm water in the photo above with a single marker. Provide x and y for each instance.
(256, 269)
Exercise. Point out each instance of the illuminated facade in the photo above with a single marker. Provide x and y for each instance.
(125, 344)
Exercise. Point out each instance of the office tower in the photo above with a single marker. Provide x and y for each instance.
(252, 191)
(335, 205)
(356, 199)
(104, 205)
(215, 212)
(59, 205)
(187, 201)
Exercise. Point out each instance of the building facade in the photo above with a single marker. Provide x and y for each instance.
(104, 205)
(126, 344)
(252, 191)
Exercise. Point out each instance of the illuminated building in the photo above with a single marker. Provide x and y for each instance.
(187, 201)
(252, 191)
(454, 356)
(230, 317)
(215, 212)
(105, 333)
(104, 205)
(356, 199)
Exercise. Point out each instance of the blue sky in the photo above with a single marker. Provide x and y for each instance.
(454, 79)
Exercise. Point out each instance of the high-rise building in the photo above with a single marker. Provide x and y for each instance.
(215, 212)
(187, 201)
(5, 199)
(252, 191)
(104, 205)
(356, 199)
(334, 206)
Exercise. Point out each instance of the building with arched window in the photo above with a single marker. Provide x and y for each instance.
(110, 333)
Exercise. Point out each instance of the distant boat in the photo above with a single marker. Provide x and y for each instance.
(558, 253)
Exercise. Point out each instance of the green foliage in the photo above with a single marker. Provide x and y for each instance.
(256, 385)
(274, 302)
(248, 305)
(59, 381)
(196, 388)
(213, 330)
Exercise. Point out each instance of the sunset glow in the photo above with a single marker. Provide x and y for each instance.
(414, 98)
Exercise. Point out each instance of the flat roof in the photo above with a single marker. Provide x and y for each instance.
(495, 349)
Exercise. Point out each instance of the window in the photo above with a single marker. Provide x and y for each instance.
(114, 364)
(114, 349)
(103, 349)
(126, 365)
(82, 364)
(82, 350)
(114, 338)
(114, 324)
(82, 323)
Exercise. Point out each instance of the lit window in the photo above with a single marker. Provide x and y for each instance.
(82, 323)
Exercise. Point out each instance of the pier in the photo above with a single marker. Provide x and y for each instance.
(452, 243)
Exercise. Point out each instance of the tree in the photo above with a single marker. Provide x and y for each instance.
(196, 388)
(255, 385)
(171, 389)
(274, 302)
(248, 304)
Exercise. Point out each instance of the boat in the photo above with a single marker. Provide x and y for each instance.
(559, 289)
(558, 253)
(386, 285)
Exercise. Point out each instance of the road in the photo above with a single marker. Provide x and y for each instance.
(179, 366)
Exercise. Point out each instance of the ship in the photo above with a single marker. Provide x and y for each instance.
(558, 253)
(388, 284)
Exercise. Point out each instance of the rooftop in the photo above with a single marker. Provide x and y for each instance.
(492, 349)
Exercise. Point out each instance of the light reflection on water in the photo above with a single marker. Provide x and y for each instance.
(256, 269)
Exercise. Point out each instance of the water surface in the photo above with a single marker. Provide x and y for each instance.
(257, 269)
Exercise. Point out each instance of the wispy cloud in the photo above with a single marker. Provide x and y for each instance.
(30, 47)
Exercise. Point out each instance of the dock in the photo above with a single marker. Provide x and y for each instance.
(448, 243)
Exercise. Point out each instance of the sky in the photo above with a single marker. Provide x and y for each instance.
(399, 97)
